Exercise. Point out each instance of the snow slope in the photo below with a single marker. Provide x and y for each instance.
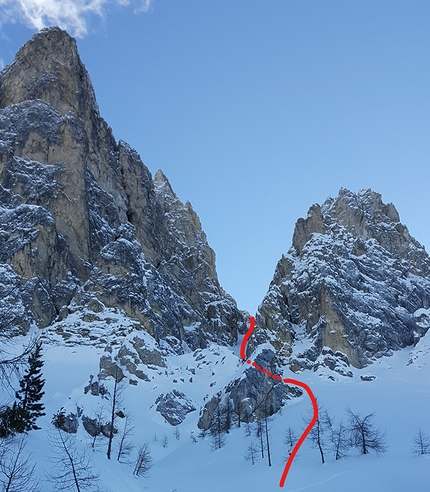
(399, 396)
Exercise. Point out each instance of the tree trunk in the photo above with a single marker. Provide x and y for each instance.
(72, 464)
(260, 431)
(321, 451)
(363, 438)
(267, 442)
(112, 420)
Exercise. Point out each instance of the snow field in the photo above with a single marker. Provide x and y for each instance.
(399, 396)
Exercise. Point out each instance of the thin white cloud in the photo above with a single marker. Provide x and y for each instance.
(68, 14)
(143, 6)
(1, 63)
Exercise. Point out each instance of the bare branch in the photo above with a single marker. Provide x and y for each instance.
(364, 435)
(421, 443)
(17, 474)
(125, 445)
(72, 469)
(143, 461)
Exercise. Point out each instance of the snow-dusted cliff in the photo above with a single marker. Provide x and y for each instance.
(350, 289)
(82, 222)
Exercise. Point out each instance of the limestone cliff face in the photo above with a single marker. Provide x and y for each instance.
(350, 289)
(82, 221)
(49, 68)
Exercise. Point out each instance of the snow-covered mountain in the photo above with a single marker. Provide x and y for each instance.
(114, 274)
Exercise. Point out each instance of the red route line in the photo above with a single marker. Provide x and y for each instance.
(246, 338)
(286, 381)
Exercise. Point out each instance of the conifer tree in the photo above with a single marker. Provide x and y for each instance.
(217, 429)
(29, 407)
(13, 420)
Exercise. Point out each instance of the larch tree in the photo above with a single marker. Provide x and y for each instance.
(421, 443)
(116, 400)
(364, 435)
(290, 440)
(125, 444)
(266, 430)
(17, 474)
(177, 433)
(252, 452)
(217, 429)
(340, 441)
(143, 461)
(72, 469)
(318, 435)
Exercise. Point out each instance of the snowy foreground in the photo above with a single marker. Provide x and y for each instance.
(399, 396)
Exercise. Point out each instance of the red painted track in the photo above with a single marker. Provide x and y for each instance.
(246, 338)
(286, 381)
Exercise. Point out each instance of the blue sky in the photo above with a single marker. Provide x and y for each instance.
(256, 110)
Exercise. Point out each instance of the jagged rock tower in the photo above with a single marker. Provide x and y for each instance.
(353, 287)
(82, 221)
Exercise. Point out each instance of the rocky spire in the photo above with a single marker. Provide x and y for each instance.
(351, 287)
(82, 216)
(48, 67)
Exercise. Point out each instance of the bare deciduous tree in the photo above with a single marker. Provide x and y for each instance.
(12, 365)
(17, 474)
(421, 443)
(143, 461)
(318, 433)
(262, 412)
(266, 429)
(177, 434)
(290, 440)
(99, 418)
(242, 411)
(125, 444)
(248, 430)
(340, 441)
(72, 469)
(113, 412)
(364, 436)
(260, 435)
(218, 441)
(116, 400)
(252, 452)
(227, 415)
(317, 438)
